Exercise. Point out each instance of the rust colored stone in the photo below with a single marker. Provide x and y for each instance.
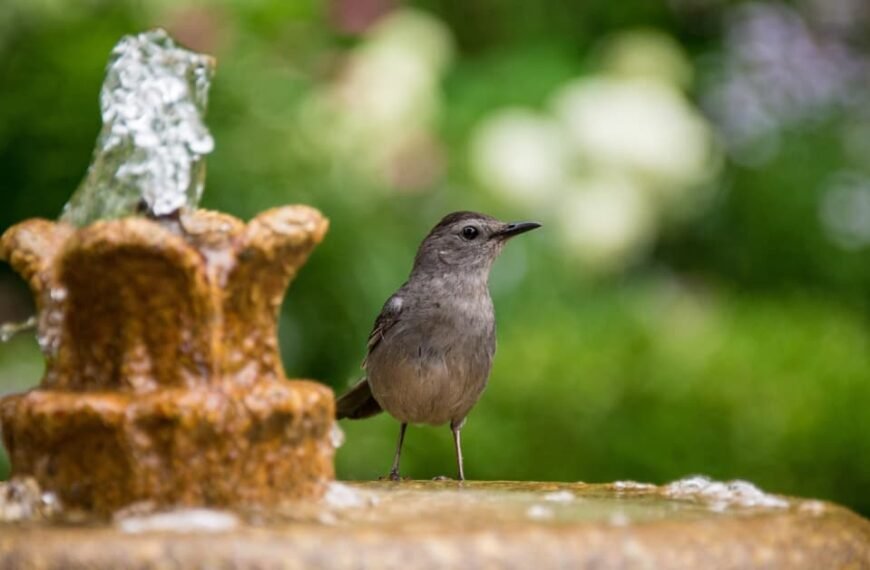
(163, 375)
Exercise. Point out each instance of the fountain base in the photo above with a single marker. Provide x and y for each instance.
(163, 378)
(174, 446)
(413, 524)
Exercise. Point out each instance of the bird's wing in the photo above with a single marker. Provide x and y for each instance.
(387, 319)
(358, 402)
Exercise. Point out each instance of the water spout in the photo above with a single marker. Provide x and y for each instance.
(150, 153)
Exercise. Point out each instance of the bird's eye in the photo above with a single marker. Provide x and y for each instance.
(469, 232)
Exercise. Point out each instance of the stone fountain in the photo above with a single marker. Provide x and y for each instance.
(164, 433)
(163, 379)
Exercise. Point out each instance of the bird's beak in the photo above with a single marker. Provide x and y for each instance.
(516, 228)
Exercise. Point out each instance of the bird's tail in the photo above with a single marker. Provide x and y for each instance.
(357, 403)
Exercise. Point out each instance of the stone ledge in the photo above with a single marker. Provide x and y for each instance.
(422, 525)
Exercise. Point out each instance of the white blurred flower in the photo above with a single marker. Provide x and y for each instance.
(845, 211)
(385, 89)
(392, 82)
(647, 54)
(386, 100)
(618, 154)
(426, 37)
(521, 154)
(606, 220)
(644, 127)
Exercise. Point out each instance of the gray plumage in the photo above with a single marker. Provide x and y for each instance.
(431, 349)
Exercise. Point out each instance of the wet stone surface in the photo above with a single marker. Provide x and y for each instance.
(163, 378)
(422, 524)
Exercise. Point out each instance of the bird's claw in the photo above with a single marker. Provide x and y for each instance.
(393, 476)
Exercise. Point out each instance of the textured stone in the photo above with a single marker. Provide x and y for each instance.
(420, 525)
(163, 375)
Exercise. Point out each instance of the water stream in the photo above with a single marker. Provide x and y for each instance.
(149, 157)
(150, 153)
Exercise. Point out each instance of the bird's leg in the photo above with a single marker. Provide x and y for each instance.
(455, 427)
(394, 472)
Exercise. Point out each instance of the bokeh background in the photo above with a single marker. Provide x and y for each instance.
(697, 301)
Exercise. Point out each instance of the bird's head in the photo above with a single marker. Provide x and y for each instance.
(466, 241)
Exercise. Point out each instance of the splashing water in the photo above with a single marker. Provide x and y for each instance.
(149, 157)
(179, 520)
(559, 497)
(22, 499)
(9, 330)
(336, 436)
(539, 512)
(721, 495)
(632, 486)
(150, 152)
(341, 496)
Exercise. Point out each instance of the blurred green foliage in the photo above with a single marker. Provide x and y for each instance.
(738, 347)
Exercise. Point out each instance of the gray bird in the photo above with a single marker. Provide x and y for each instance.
(431, 349)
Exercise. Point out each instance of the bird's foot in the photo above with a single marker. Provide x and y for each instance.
(393, 476)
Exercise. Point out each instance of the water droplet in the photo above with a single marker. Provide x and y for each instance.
(58, 294)
(632, 486)
(339, 495)
(336, 436)
(9, 330)
(180, 520)
(559, 497)
(539, 512)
